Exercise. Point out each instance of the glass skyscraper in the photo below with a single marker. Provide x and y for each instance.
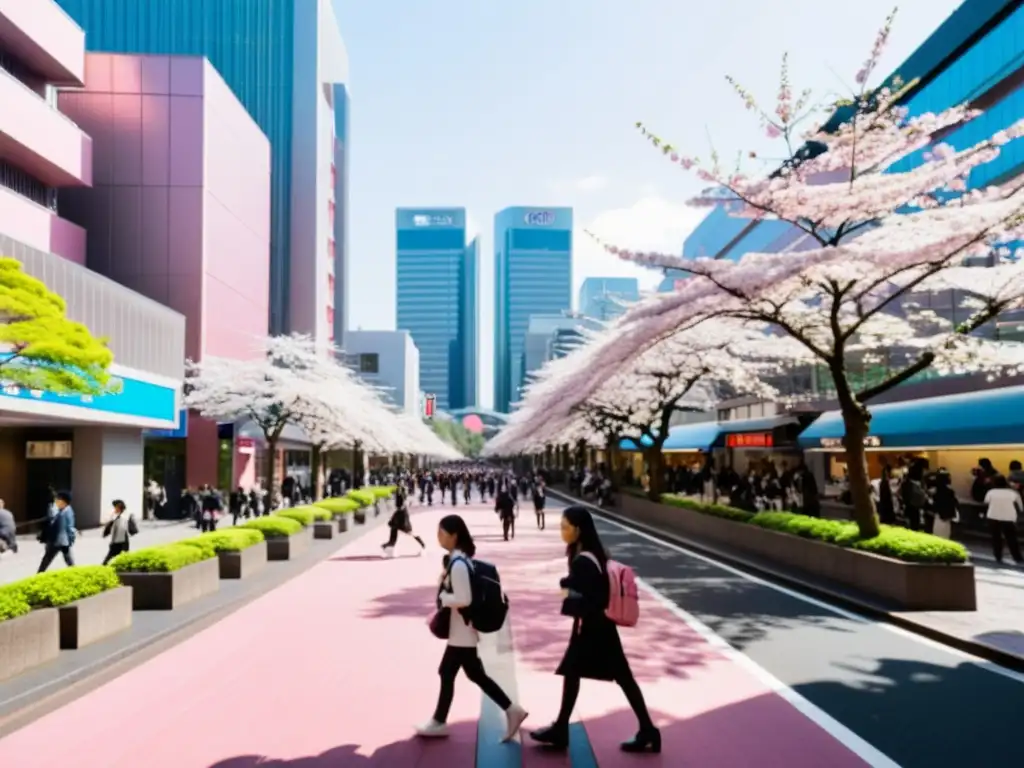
(436, 302)
(281, 59)
(532, 276)
(604, 298)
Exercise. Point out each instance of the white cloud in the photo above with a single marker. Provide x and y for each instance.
(650, 224)
(586, 185)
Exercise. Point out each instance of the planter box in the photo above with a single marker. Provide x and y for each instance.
(346, 522)
(909, 586)
(28, 641)
(94, 618)
(323, 529)
(244, 563)
(289, 547)
(360, 516)
(376, 508)
(166, 591)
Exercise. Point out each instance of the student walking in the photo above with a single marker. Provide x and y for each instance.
(505, 506)
(1004, 505)
(454, 598)
(595, 650)
(120, 529)
(400, 522)
(59, 533)
(539, 501)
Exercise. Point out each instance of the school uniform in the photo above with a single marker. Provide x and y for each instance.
(595, 649)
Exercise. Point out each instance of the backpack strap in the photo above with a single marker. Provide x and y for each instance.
(592, 558)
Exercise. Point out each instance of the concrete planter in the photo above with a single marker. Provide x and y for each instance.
(289, 547)
(95, 618)
(360, 516)
(323, 529)
(376, 508)
(28, 641)
(908, 586)
(244, 563)
(346, 521)
(166, 591)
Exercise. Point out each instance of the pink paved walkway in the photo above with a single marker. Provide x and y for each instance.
(335, 667)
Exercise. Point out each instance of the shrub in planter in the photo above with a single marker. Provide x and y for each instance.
(362, 497)
(302, 515)
(338, 506)
(52, 590)
(273, 527)
(382, 491)
(238, 551)
(715, 510)
(12, 604)
(162, 559)
(231, 539)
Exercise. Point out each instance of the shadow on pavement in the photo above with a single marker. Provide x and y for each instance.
(372, 558)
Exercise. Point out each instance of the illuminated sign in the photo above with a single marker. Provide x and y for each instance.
(750, 440)
(540, 218)
(52, 449)
(432, 220)
(428, 406)
(837, 442)
(245, 445)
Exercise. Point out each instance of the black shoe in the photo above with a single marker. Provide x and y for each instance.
(552, 737)
(644, 741)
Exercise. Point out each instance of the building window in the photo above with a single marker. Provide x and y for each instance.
(27, 186)
(330, 284)
(369, 362)
(334, 177)
(330, 249)
(330, 213)
(330, 317)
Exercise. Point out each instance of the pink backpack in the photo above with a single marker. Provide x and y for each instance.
(623, 594)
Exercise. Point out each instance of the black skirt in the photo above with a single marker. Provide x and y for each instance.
(595, 651)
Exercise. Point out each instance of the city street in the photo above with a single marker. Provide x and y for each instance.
(336, 667)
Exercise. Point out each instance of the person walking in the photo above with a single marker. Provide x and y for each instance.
(505, 506)
(595, 649)
(400, 522)
(120, 528)
(454, 597)
(539, 501)
(59, 533)
(945, 505)
(8, 530)
(238, 503)
(1004, 505)
(212, 506)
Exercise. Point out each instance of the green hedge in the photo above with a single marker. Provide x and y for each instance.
(274, 526)
(302, 515)
(338, 506)
(362, 497)
(892, 541)
(228, 540)
(54, 589)
(162, 559)
(382, 491)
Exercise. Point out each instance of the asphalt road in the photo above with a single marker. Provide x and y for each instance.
(919, 703)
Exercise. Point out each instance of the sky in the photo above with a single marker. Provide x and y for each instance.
(485, 104)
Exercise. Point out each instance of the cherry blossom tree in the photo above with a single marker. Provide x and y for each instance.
(885, 217)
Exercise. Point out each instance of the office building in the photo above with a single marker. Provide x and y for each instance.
(470, 309)
(281, 58)
(606, 298)
(436, 298)
(388, 360)
(179, 210)
(92, 446)
(339, 213)
(549, 337)
(532, 276)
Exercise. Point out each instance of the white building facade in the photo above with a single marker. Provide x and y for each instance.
(390, 360)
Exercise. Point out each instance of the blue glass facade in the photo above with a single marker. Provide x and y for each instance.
(251, 45)
(470, 309)
(976, 56)
(601, 297)
(432, 282)
(532, 276)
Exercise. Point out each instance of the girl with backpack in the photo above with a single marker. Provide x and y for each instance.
(400, 522)
(595, 650)
(454, 598)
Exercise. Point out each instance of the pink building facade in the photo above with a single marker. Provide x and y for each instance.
(179, 208)
(40, 148)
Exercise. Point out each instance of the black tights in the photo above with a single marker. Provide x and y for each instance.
(508, 526)
(628, 684)
(468, 661)
(393, 538)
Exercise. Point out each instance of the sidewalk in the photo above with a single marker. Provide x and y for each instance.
(995, 630)
(91, 547)
(335, 667)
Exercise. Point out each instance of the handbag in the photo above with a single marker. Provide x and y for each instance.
(441, 623)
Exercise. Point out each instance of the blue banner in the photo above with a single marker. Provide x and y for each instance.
(135, 398)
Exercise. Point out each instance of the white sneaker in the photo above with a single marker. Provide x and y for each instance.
(514, 716)
(389, 552)
(432, 730)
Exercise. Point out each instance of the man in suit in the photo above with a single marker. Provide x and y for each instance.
(60, 533)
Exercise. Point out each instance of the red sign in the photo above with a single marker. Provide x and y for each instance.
(428, 406)
(750, 440)
(245, 444)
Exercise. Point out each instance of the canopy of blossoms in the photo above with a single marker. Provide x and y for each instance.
(290, 380)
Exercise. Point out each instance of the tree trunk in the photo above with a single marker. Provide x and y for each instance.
(271, 465)
(856, 420)
(655, 471)
(317, 460)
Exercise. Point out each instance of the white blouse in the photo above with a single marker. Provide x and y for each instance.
(457, 593)
(1003, 504)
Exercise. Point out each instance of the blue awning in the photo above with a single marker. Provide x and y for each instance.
(988, 418)
(684, 437)
(763, 424)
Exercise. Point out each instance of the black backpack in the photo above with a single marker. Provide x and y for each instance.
(489, 608)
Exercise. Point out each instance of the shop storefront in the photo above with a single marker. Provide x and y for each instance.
(951, 432)
(746, 444)
(687, 445)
